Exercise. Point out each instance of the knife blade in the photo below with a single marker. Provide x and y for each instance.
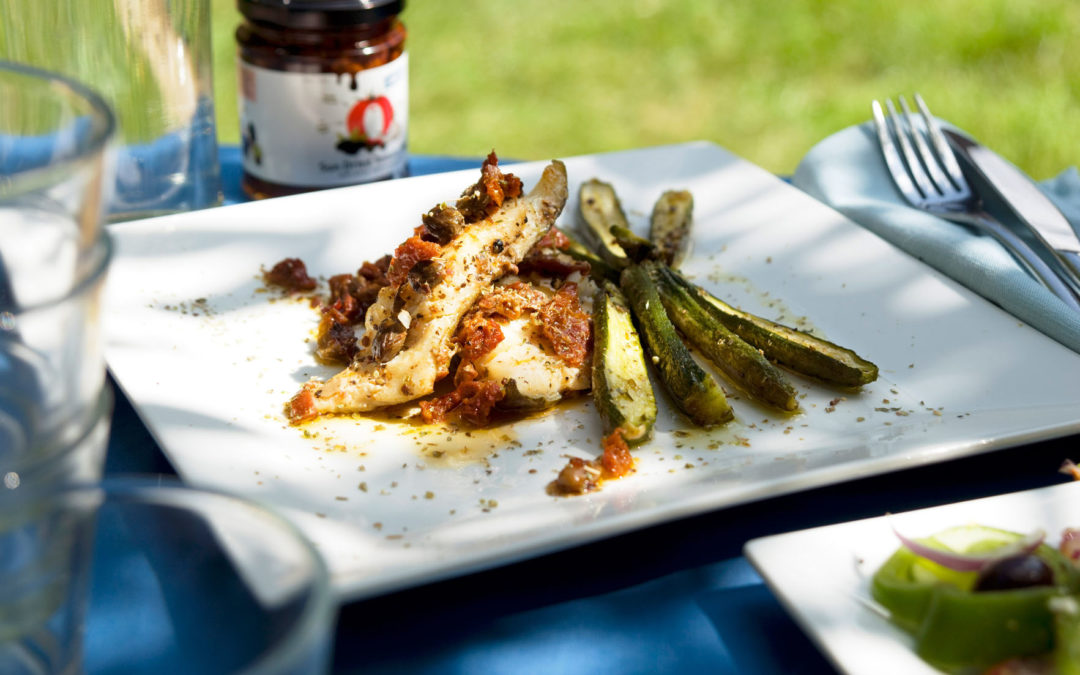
(1027, 203)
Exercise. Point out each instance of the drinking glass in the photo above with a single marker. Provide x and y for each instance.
(151, 60)
(54, 256)
(54, 406)
(150, 576)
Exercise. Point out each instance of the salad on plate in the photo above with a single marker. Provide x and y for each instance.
(978, 599)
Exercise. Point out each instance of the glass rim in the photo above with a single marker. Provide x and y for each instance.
(321, 607)
(102, 249)
(101, 136)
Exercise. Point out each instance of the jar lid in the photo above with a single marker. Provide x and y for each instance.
(319, 13)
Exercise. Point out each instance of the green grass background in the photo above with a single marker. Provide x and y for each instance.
(766, 79)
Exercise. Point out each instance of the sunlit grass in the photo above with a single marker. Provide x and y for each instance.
(765, 79)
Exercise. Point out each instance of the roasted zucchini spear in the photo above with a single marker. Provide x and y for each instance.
(621, 388)
(669, 226)
(692, 389)
(794, 349)
(600, 210)
(599, 270)
(743, 364)
(636, 248)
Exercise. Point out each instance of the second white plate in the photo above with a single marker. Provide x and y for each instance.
(822, 575)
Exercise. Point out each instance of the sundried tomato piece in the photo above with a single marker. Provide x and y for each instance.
(616, 460)
(512, 300)
(291, 274)
(580, 475)
(436, 409)
(477, 336)
(375, 271)
(478, 400)
(302, 407)
(472, 401)
(554, 238)
(411, 251)
(486, 196)
(350, 297)
(344, 289)
(566, 326)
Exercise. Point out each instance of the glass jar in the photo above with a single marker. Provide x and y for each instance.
(324, 94)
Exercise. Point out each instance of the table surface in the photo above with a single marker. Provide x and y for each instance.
(677, 597)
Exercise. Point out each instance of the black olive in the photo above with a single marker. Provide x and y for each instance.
(1018, 571)
(497, 246)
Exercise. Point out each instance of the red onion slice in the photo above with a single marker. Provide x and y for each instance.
(1070, 544)
(965, 562)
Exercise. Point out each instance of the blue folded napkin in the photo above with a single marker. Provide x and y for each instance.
(847, 172)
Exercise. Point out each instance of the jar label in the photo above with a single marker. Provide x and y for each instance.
(325, 129)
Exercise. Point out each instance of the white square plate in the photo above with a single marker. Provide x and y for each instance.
(827, 596)
(208, 358)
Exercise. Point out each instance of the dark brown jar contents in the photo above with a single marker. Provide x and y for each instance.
(323, 94)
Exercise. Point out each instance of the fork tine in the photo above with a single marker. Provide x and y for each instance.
(929, 160)
(948, 159)
(893, 161)
(914, 165)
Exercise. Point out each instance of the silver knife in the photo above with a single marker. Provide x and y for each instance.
(1027, 202)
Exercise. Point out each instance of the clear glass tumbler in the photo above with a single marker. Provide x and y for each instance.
(54, 255)
(55, 409)
(152, 62)
(150, 576)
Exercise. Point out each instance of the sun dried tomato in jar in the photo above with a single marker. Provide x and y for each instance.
(324, 93)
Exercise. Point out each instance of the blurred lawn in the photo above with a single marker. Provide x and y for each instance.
(766, 79)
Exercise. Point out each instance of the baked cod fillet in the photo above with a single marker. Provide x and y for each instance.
(407, 342)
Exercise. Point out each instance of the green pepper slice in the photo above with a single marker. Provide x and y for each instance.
(1067, 636)
(963, 629)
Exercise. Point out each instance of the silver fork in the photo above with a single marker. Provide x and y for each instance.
(930, 179)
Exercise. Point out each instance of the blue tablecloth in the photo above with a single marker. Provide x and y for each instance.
(673, 598)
